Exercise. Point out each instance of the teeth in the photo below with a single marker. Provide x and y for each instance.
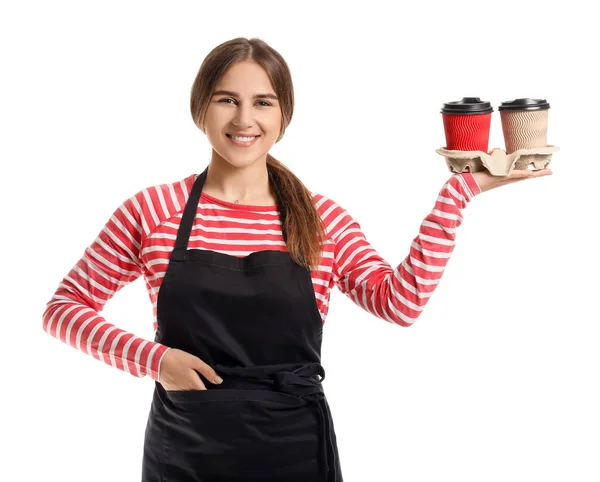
(244, 139)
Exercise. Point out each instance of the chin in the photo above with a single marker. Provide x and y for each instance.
(240, 162)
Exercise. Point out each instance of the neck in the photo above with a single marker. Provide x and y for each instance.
(244, 185)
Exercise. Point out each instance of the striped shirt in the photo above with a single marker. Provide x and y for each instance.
(140, 235)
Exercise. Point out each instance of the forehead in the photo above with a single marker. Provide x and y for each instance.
(247, 78)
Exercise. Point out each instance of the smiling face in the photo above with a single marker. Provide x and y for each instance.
(243, 118)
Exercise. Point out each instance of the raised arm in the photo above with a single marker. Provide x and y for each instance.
(109, 263)
(399, 295)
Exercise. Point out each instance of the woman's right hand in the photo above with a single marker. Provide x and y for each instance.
(178, 371)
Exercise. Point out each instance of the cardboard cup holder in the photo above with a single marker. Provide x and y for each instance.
(498, 162)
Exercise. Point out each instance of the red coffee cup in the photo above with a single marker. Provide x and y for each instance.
(467, 124)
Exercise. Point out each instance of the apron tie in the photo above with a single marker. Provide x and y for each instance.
(304, 382)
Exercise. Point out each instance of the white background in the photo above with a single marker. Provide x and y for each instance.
(497, 380)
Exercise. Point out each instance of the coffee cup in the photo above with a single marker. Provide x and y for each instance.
(467, 124)
(524, 126)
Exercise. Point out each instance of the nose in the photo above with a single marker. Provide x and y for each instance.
(243, 116)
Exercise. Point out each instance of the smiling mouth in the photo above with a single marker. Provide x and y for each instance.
(242, 141)
(242, 138)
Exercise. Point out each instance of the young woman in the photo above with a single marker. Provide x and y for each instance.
(239, 261)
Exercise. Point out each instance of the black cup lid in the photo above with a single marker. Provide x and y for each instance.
(524, 104)
(466, 106)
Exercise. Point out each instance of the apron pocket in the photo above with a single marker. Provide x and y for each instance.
(230, 432)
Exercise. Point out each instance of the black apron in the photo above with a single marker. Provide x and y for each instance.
(255, 321)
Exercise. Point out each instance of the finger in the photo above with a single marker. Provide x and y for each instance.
(542, 172)
(197, 382)
(207, 371)
(521, 175)
(539, 172)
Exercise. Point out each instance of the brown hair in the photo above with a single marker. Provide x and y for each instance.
(303, 225)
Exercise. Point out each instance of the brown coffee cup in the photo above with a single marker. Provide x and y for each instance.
(525, 126)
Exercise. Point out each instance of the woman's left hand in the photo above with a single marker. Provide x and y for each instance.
(486, 181)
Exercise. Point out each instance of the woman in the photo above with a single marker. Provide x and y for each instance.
(239, 262)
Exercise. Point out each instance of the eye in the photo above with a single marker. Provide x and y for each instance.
(263, 103)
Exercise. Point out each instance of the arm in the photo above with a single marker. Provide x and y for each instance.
(399, 295)
(109, 263)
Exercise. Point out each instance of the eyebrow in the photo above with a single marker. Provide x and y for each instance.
(235, 94)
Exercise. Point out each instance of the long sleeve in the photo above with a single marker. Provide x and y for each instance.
(399, 295)
(109, 263)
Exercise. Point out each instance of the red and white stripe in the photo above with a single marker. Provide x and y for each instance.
(140, 235)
